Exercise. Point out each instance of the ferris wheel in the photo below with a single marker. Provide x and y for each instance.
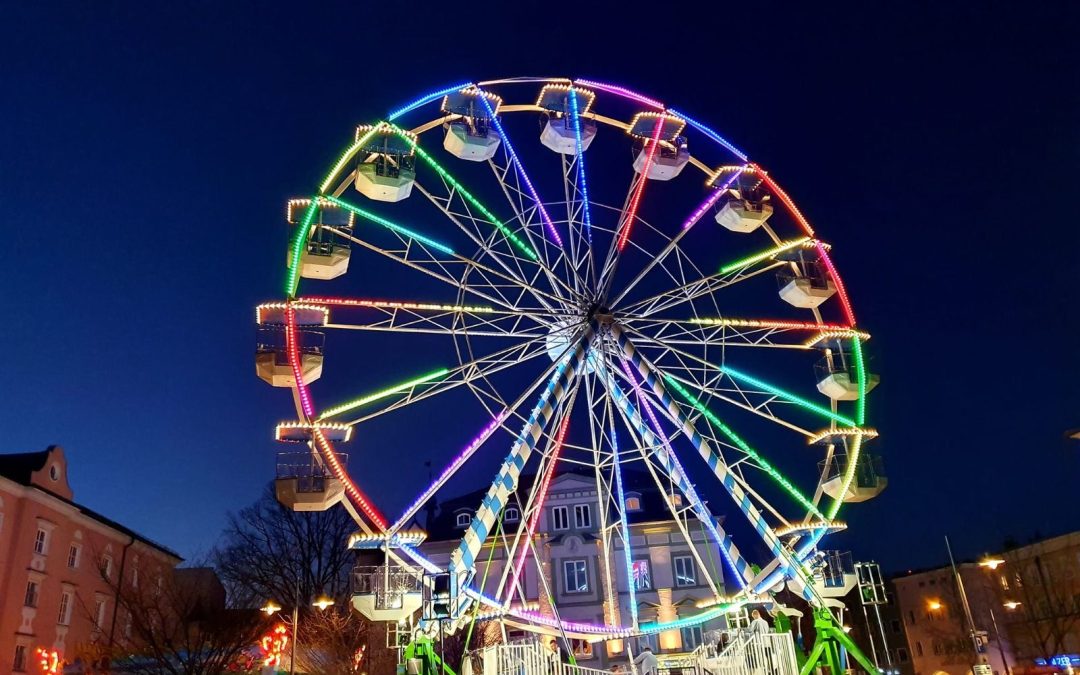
(618, 291)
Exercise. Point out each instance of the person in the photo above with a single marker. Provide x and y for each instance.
(617, 669)
(646, 662)
(758, 625)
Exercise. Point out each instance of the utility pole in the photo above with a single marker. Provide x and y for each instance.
(981, 666)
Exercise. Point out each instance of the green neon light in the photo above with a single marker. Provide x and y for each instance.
(860, 376)
(744, 446)
(361, 142)
(300, 238)
(506, 231)
(370, 398)
(860, 415)
(764, 255)
(378, 220)
(777, 391)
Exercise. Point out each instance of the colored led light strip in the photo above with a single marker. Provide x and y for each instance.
(396, 304)
(710, 133)
(347, 155)
(370, 398)
(425, 99)
(711, 200)
(764, 255)
(292, 349)
(621, 91)
(826, 328)
(840, 290)
(865, 432)
(744, 446)
(628, 554)
(787, 395)
(658, 431)
(712, 613)
(539, 508)
(361, 500)
(779, 192)
(445, 175)
(521, 172)
(581, 163)
(635, 201)
(307, 426)
(454, 465)
(297, 305)
(393, 227)
(812, 526)
(300, 238)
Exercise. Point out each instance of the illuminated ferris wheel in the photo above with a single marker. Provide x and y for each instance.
(617, 290)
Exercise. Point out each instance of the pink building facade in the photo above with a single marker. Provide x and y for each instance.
(60, 565)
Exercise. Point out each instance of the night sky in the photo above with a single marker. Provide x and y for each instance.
(146, 154)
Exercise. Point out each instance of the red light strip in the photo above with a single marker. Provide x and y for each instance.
(308, 408)
(840, 290)
(539, 506)
(632, 212)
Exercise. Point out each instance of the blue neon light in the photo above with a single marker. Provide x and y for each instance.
(428, 98)
(581, 163)
(710, 133)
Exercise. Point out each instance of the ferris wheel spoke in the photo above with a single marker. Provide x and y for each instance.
(738, 495)
(736, 332)
(692, 290)
(417, 257)
(673, 244)
(440, 381)
(430, 318)
(579, 188)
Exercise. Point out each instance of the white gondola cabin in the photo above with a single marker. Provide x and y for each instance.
(560, 133)
(386, 172)
(472, 135)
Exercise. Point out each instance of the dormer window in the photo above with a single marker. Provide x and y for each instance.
(511, 514)
(463, 519)
(633, 501)
(54, 472)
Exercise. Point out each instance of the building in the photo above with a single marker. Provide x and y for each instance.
(61, 563)
(667, 576)
(1025, 605)
(938, 636)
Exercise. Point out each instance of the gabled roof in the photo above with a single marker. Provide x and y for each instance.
(19, 467)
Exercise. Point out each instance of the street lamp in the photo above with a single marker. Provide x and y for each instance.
(991, 563)
(934, 605)
(271, 607)
(1011, 604)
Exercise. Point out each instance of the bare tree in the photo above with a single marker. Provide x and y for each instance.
(173, 622)
(271, 552)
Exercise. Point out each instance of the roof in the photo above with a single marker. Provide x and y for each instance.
(19, 467)
(443, 527)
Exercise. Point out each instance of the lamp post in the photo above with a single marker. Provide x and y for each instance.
(271, 607)
(992, 564)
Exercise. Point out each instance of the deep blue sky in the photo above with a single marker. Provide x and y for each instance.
(146, 152)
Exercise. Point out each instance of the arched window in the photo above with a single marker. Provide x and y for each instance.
(463, 519)
(511, 514)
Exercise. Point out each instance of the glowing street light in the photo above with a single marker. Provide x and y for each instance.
(991, 563)
(270, 608)
(322, 602)
(1012, 604)
(934, 605)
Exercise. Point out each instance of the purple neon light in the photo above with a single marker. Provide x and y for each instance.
(521, 170)
(454, 465)
(621, 91)
(711, 200)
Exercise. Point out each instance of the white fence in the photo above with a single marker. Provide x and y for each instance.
(754, 654)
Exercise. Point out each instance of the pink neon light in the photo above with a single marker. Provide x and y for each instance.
(545, 482)
(840, 290)
(770, 323)
(621, 91)
(711, 200)
(325, 447)
(632, 213)
(456, 463)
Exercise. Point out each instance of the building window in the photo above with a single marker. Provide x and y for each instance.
(642, 575)
(463, 520)
(918, 648)
(511, 514)
(19, 664)
(134, 577)
(577, 576)
(99, 614)
(1004, 582)
(633, 501)
(31, 598)
(582, 649)
(106, 566)
(560, 519)
(64, 617)
(676, 500)
(685, 574)
(691, 638)
(41, 541)
(582, 515)
(911, 617)
(73, 557)
(902, 655)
